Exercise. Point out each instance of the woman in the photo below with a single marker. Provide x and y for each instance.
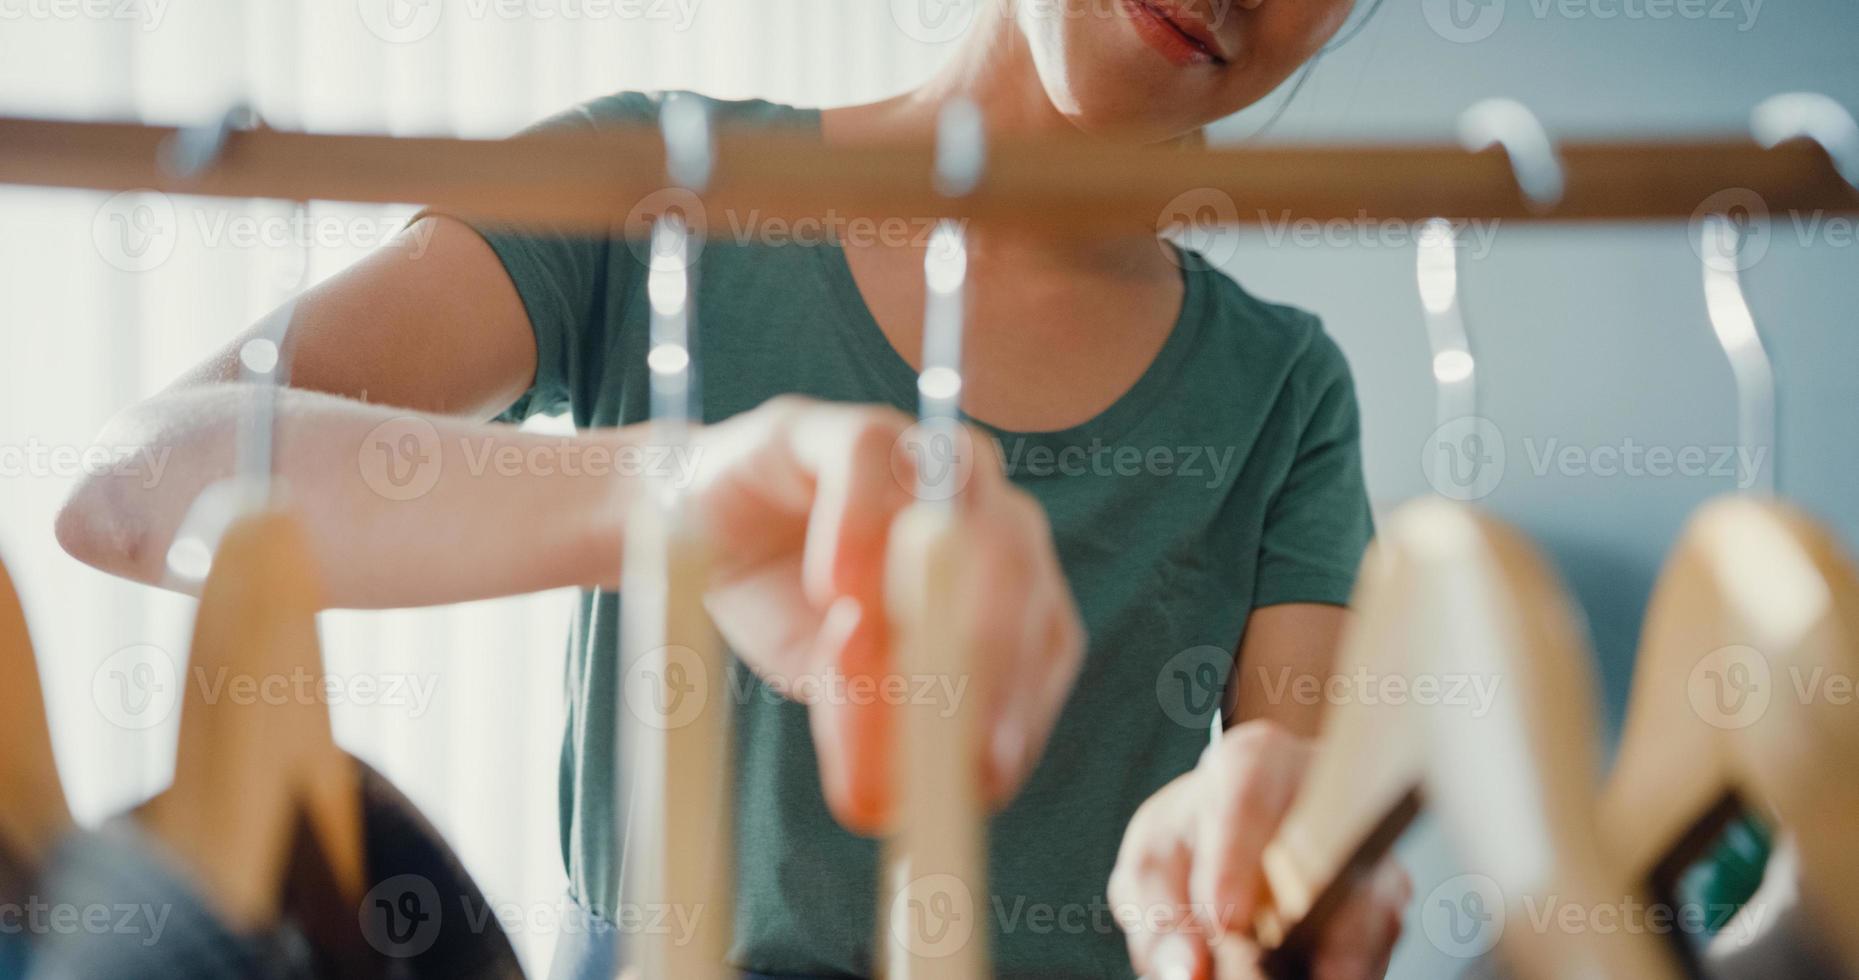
(1103, 370)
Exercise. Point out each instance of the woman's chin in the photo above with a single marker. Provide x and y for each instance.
(1134, 112)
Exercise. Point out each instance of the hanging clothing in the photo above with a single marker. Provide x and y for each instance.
(18, 886)
(421, 916)
(1229, 477)
(423, 912)
(131, 915)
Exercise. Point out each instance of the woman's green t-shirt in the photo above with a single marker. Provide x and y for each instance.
(1228, 478)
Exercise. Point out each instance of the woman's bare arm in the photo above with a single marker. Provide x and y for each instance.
(428, 331)
(1288, 652)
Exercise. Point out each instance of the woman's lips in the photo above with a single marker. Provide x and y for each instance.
(1174, 35)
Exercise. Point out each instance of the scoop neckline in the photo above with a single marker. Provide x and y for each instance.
(1129, 408)
(900, 378)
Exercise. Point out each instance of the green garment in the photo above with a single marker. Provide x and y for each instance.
(1228, 478)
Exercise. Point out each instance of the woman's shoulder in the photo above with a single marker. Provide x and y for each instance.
(1256, 329)
(636, 108)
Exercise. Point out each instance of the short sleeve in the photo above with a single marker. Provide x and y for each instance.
(565, 279)
(1318, 523)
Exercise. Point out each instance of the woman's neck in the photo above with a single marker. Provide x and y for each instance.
(994, 69)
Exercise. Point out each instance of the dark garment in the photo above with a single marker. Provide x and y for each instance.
(112, 908)
(17, 885)
(422, 915)
(423, 912)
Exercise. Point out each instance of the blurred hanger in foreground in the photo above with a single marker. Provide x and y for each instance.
(1456, 600)
(261, 792)
(1452, 599)
(675, 728)
(1756, 611)
(33, 812)
(935, 861)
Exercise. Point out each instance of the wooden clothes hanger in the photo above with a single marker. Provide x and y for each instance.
(677, 722)
(935, 881)
(1754, 608)
(1449, 594)
(253, 770)
(33, 813)
(257, 769)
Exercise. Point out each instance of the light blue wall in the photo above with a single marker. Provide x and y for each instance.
(1588, 335)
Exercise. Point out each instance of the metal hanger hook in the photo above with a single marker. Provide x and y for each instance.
(1810, 115)
(1455, 375)
(194, 150)
(961, 148)
(1533, 158)
(690, 142)
(1734, 324)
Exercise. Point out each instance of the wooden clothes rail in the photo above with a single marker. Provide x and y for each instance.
(589, 182)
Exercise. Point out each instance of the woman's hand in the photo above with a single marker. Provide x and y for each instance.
(1188, 877)
(800, 497)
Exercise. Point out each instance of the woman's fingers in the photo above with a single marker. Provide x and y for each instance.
(1253, 776)
(1149, 887)
(853, 455)
(1038, 643)
(1199, 845)
(803, 495)
(1360, 940)
(1026, 645)
(855, 735)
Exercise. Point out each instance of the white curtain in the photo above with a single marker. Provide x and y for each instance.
(104, 299)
